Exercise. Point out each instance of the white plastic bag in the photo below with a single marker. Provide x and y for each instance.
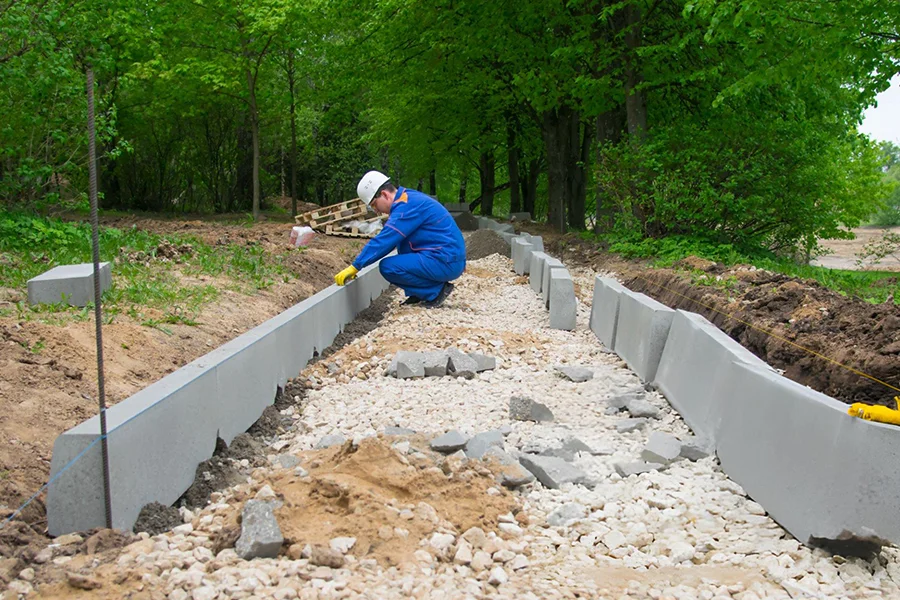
(301, 236)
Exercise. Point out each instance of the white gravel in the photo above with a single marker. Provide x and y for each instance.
(684, 532)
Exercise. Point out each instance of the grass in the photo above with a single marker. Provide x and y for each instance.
(152, 291)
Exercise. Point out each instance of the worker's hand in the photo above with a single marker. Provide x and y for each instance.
(881, 414)
(346, 275)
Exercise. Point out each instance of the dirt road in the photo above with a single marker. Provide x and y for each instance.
(843, 253)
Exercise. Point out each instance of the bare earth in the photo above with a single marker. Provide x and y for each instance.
(42, 395)
(844, 252)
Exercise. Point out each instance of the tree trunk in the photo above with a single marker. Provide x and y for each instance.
(512, 153)
(609, 128)
(254, 131)
(557, 132)
(486, 171)
(432, 183)
(293, 133)
(529, 185)
(462, 188)
(582, 135)
(634, 98)
(420, 184)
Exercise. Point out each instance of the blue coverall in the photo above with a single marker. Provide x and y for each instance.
(430, 246)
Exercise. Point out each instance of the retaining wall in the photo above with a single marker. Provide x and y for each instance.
(158, 436)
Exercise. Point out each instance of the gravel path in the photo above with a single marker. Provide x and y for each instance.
(683, 532)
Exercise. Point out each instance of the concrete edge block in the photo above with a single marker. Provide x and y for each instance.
(641, 331)
(520, 250)
(563, 304)
(549, 264)
(535, 272)
(605, 309)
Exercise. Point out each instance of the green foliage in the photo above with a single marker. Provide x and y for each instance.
(889, 213)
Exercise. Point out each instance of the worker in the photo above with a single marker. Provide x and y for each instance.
(430, 248)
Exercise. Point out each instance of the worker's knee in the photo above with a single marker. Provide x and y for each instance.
(388, 269)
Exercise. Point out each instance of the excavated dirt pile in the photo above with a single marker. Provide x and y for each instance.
(485, 242)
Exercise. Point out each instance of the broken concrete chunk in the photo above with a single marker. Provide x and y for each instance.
(461, 364)
(526, 409)
(570, 448)
(410, 365)
(636, 468)
(641, 408)
(626, 425)
(551, 471)
(449, 442)
(566, 514)
(696, 448)
(479, 444)
(576, 374)
(435, 364)
(512, 474)
(327, 441)
(484, 362)
(260, 534)
(661, 448)
(622, 400)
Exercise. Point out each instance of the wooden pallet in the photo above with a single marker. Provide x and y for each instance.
(335, 213)
(353, 232)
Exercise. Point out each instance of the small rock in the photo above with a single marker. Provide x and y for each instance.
(627, 425)
(264, 493)
(325, 557)
(552, 471)
(334, 439)
(449, 442)
(662, 448)
(680, 552)
(442, 543)
(342, 544)
(260, 534)
(526, 409)
(566, 513)
(510, 529)
(636, 468)
(519, 562)
(613, 539)
(505, 429)
(641, 408)
(82, 582)
(569, 449)
(481, 561)
(287, 461)
(204, 593)
(301, 472)
(27, 574)
(620, 401)
(498, 576)
(576, 374)
(398, 431)
(463, 554)
(475, 536)
(68, 539)
(479, 444)
(503, 556)
(44, 556)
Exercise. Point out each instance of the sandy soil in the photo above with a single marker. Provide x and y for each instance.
(844, 252)
(42, 395)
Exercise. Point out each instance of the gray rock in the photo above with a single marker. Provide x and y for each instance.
(479, 444)
(512, 474)
(622, 400)
(661, 448)
(500, 455)
(505, 429)
(566, 513)
(410, 365)
(435, 364)
(260, 534)
(576, 374)
(526, 409)
(641, 408)
(461, 364)
(398, 431)
(449, 442)
(626, 425)
(484, 362)
(636, 468)
(552, 471)
(695, 448)
(610, 411)
(401, 355)
(327, 441)
(570, 448)
(287, 461)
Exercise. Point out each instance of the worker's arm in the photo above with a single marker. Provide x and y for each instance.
(403, 221)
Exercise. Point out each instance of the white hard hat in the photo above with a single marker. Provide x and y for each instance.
(369, 184)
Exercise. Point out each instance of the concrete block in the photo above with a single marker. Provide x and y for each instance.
(662, 448)
(457, 206)
(480, 443)
(505, 228)
(260, 534)
(563, 305)
(696, 448)
(549, 266)
(536, 270)
(461, 364)
(553, 472)
(512, 474)
(410, 364)
(449, 442)
(641, 332)
(520, 216)
(519, 249)
(687, 378)
(537, 245)
(526, 409)
(605, 309)
(484, 362)
(435, 364)
(575, 374)
(826, 477)
(507, 236)
(69, 284)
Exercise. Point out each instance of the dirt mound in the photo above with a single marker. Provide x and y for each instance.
(156, 518)
(863, 336)
(485, 242)
(385, 499)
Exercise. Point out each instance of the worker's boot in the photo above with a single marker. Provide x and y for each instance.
(445, 291)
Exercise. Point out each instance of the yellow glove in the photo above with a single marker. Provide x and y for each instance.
(881, 414)
(346, 275)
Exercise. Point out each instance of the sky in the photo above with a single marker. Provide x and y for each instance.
(882, 122)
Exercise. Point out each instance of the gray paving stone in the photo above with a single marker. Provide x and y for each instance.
(526, 409)
(479, 444)
(68, 284)
(260, 534)
(575, 374)
(549, 265)
(563, 304)
(520, 216)
(327, 441)
(641, 332)
(605, 310)
(696, 448)
(484, 362)
(537, 245)
(402, 431)
(627, 425)
(636, 468)
(410, 365)
(552, 471)
(519, 249)
(435, 363)
(638, 407)
(567, 514)
(461, 364)
(449, 442)
(536, 270)
(661, 448)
